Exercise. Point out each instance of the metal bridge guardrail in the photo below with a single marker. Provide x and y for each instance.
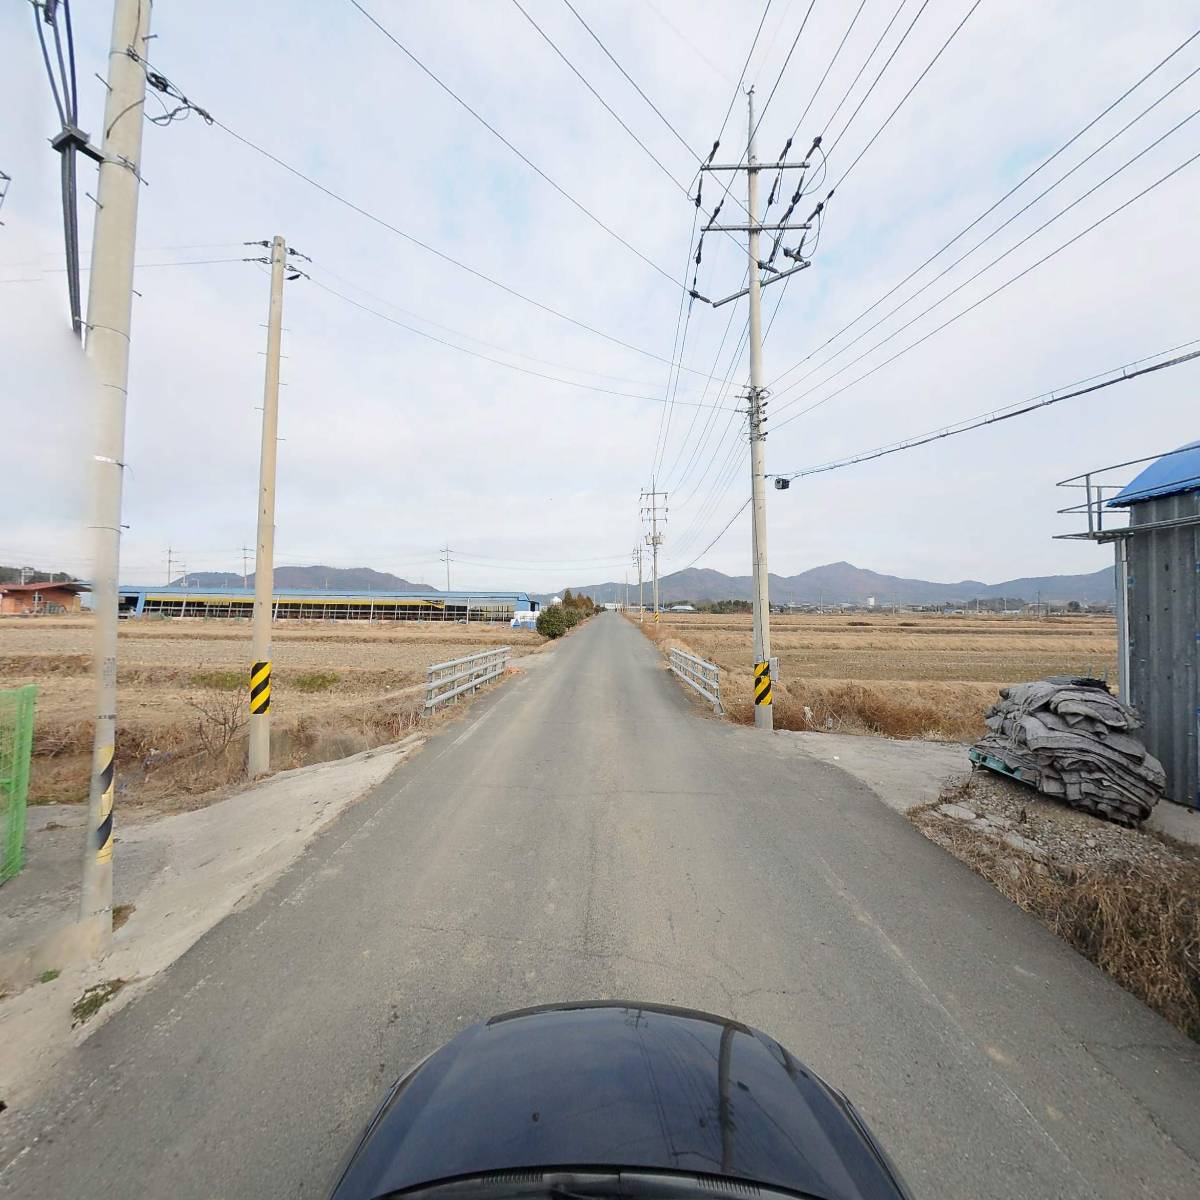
(705, 677)
(446, 680)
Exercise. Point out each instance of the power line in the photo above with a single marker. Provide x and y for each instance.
(983, 241)
(695, 413)
(719, 536)
(732, 467)
(69, 140)
(991, 209)
(191, 262)
(782, 70)
(770, 97)
(995, 291)
(633, 83)
(737, 87)
(821, 81)
(441, 254)
(481, 341)
(678, 349)
(607, 107)
(699, 188)
(887, 120)
(866, 63)
(603, 559)
(685, 39)
(882, 70)
(1020, 408)
(523, 157)
(701, 444)
(487, 357)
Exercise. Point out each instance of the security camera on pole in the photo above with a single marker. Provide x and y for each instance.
(756, 398)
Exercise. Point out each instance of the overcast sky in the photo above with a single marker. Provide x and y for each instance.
(395, 444)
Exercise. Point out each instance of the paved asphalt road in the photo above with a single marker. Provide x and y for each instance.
(587, 831)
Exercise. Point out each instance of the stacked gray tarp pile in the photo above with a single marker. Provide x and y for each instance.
(1071, 739)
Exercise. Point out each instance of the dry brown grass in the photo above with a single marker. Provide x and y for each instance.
(370, 689)
(1135, 917)
(909, 675)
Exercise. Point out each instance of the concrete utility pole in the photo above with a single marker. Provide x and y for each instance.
(264, 560)
(109, 313)
(654, 538)
(446, 559)
(637, 558)
(763, 711)
(763, 718)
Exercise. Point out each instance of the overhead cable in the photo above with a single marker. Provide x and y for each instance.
(487, 357)
(1045, 400)
(983, 299)
(578, 204)
(1009, 220)
(459, 333)
(719, 536)
(887, 120)
(462, 266)
(991, 209)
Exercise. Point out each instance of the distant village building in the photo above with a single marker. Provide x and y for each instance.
(681, 608)
(39, 599)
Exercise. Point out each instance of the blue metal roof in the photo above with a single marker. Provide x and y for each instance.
(1171, 475)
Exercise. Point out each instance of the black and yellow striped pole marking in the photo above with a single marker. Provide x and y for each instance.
(260, 688)
(762, 683)
(107, 775)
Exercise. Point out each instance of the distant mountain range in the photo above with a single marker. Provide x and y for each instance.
(844, 583)
(834, 583)
(340, 579)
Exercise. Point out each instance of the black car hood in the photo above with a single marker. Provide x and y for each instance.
(605, 1085)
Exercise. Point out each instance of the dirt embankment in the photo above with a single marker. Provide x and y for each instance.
(907, 675)
(337, 689)
(1127, 899)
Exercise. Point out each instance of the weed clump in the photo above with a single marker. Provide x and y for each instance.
(94, 999)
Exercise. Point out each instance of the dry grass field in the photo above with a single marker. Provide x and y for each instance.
(336, 689)
(902, 675)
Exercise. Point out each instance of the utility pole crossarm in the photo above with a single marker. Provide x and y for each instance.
(756, 228)
(755, 167)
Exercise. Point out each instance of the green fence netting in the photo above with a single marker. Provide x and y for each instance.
(16, 742)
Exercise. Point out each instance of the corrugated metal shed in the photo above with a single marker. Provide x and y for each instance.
(1162, 566)
(1158, 600)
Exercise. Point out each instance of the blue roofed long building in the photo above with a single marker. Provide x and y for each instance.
(316, 604)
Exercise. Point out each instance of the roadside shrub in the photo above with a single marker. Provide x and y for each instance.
(572, 616)
(315, 681)
(552, 622)
(221, 681)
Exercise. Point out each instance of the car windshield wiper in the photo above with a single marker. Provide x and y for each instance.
(592, 1184)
